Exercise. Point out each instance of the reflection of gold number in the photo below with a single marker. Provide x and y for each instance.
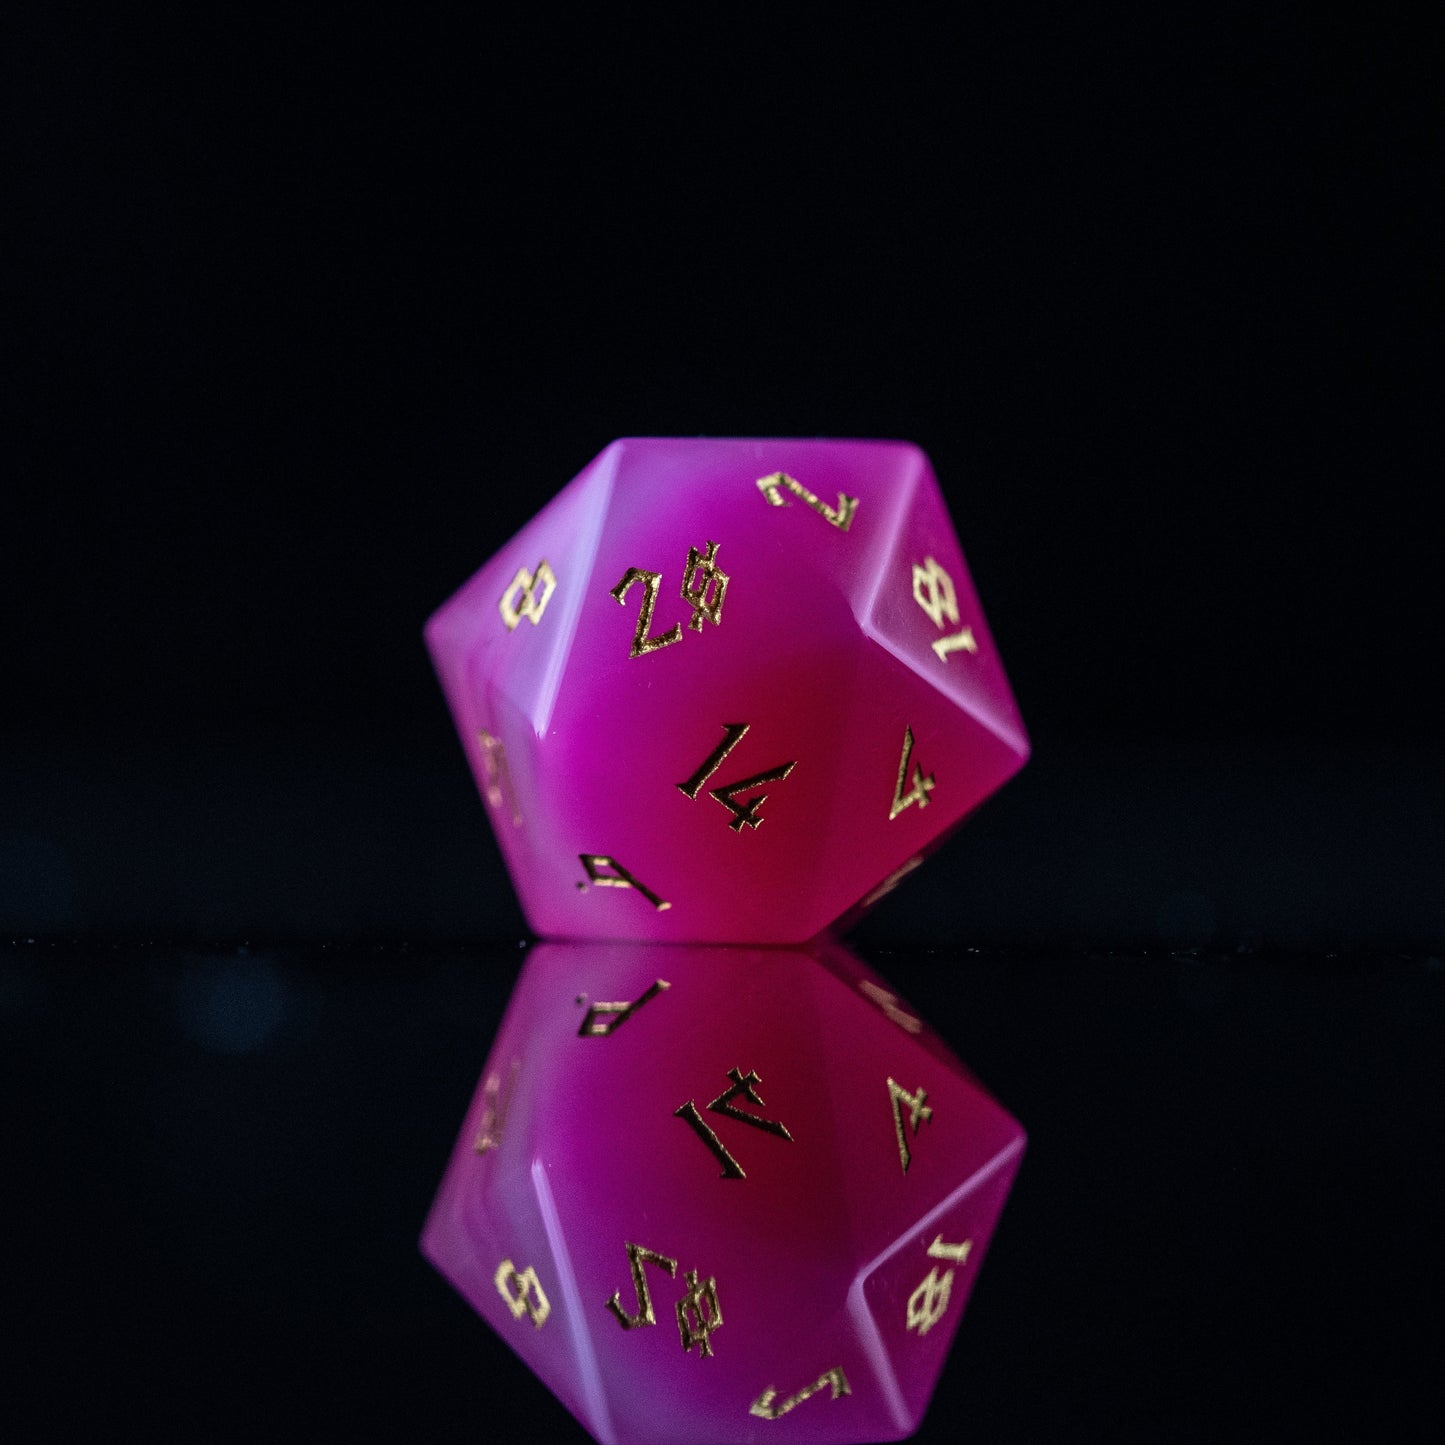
(528, 595)
(774, 486)
(698, 1311)
(637, 1256)
(615, 1014)
(698, 1314)
(922, 785)
(961, 641)
(919, 1113)
(618, 877)
(723, 1104)
(928, 1302)
(765, 1407)
(522, 1291)
(958, 1253)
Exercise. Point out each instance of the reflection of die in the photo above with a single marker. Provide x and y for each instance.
(723, 690)
(721, 1194)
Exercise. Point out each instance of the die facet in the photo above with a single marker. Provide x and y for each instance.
(726, 690)
(722, 1194)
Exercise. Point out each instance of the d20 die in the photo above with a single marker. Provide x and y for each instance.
(721, 691)
(718, 1194)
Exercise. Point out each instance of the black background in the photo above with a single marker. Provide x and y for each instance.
(300, 320)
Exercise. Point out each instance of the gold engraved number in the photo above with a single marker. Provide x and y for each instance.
(698, 1311)
(618, 877)
(958, 1253)
(928, 1302)
(922, 785)
(772, 487)
(651, 582)
(764, 1407)
(494, 1109)
(727, 795)
(496, 774)
(522, 1291)
(637, 1256)
(704, 585)
(742, 1084)
(615, 1014)
(933, 591)
(698, 1314)
(919, 1113)
(528, 595)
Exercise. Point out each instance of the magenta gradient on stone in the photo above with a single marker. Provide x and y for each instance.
(730, 768)
(823, 1243)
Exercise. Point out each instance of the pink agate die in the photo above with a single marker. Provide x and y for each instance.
(726, 690)
(722, 1194)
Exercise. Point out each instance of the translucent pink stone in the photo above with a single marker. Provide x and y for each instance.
(813, 702)
(822, 1243)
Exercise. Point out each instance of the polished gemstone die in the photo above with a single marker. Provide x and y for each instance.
(726, 691)
(723, 1194)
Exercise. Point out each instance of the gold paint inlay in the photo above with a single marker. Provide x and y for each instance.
(922, 785)
(961, 641)
(704, 585)
(619, 877)
(606, 1018)
(651, 582)
(494, 1109)
(698, 1314)
(731, 1169)
(763, 1406)
(528, 595)
(733, 734)
(743, 1085)
(497, 784)
(772, 487)
(522, 1291)
(920, 1112)
(934, 592)
(637, 1256)
(928, 1302)
(745, 812)
(958, 1253)
(698, 1311)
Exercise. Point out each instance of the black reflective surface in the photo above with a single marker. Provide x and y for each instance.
(218, 1161)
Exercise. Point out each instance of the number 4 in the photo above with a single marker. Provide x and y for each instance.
(922, 783)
